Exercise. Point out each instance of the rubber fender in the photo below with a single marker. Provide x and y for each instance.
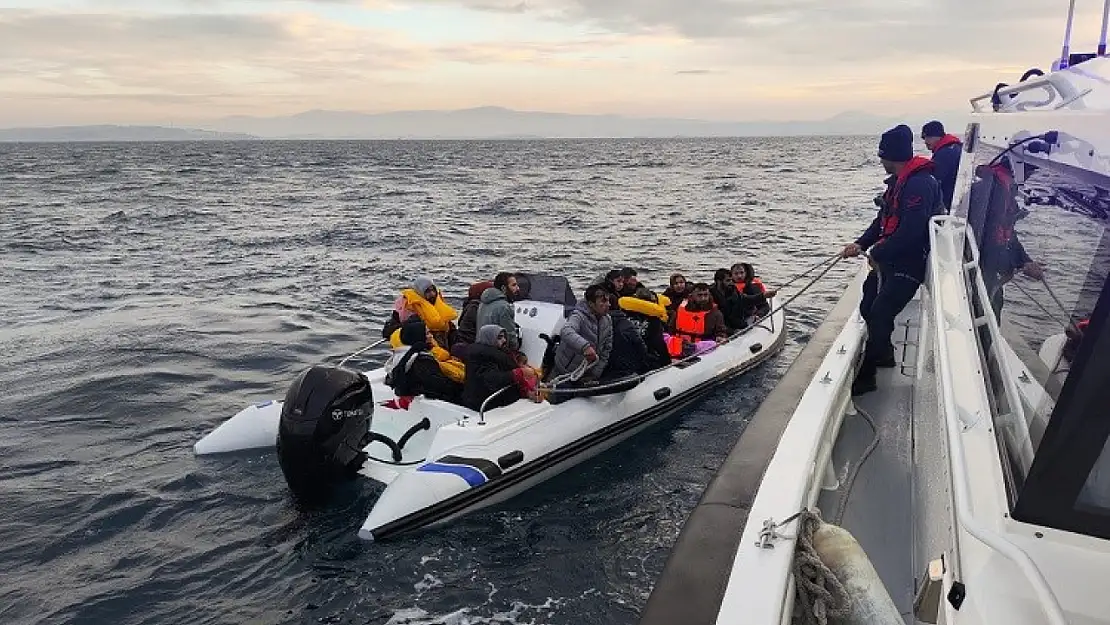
(871, 603)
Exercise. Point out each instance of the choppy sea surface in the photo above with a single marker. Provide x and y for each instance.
(150, 291)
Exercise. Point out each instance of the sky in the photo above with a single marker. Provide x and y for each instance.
(172, 61)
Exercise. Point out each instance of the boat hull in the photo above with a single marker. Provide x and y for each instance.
(453, 461)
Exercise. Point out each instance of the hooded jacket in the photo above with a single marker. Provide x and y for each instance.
(418, 372)
(630, 353)
(488, 370)
(583, 329)
(495, 309)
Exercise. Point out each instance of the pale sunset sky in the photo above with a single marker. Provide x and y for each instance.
(159, 61)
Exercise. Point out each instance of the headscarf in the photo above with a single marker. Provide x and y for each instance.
(400, 305)
(423, 283)
(487, 334)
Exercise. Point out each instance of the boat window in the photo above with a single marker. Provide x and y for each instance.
(1068, 485)
(1030, 203)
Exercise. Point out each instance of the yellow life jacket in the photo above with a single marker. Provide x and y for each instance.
(642, 306)
(451, 367)
(437, 317)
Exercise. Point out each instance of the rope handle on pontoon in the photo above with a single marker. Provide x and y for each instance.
(828, 264)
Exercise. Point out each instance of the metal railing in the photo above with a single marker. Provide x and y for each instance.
(954, 426)
(1061, 93)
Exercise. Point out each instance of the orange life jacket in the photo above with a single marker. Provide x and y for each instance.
(740, 286)
(689, 327)
(888, 220)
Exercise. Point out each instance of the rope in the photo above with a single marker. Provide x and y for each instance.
(851, 479)
(1052, 294)
(1036, 302)
(819, 595)
(832, 259)
(572, 376)
(623, 382)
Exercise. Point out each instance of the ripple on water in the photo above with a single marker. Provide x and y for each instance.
(149, 291)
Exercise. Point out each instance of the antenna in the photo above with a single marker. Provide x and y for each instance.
(1067, 36)
(1105, 20)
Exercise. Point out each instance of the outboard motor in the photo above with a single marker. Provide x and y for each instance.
(325, 422)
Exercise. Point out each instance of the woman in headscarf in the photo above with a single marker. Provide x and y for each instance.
(489, 368)
(426, 301)
(418, 372)
(468, 321)
(677, 292)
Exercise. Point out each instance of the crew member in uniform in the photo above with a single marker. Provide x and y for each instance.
(898, 240)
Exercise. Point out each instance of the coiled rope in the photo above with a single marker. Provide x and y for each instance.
(819, 595)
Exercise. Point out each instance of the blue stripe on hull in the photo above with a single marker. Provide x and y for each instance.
(473, 476)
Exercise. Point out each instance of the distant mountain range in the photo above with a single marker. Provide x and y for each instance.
(488, 122)
(116, 133)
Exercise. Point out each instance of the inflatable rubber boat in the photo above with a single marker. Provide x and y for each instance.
(440, 460)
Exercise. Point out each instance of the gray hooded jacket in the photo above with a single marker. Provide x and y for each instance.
(496, 309)
(582, 329)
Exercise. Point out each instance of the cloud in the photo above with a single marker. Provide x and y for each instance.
(181, 59)
(696, 72)
(781, 32)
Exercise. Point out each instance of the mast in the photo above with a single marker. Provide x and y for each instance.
(1067, 36)
(1105, 20)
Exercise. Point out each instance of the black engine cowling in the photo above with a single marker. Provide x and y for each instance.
(325, 422)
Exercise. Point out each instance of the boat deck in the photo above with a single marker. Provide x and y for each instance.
(878, 509)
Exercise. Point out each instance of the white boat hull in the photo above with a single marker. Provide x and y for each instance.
(460, 461)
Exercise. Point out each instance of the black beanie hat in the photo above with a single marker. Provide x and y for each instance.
(414, 332)
(897, 144)
(933, 129)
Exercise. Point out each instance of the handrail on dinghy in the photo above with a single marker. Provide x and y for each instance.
(363, 350)
(482, 408)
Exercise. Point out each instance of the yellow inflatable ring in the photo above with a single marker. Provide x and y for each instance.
(644, 307)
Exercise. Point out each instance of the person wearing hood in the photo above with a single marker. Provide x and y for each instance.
(496, 307)
(587, 336)
(946, 151)
(425, 301)
(468, 320)
(418, 372)
(899, 242)
(490, 368)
